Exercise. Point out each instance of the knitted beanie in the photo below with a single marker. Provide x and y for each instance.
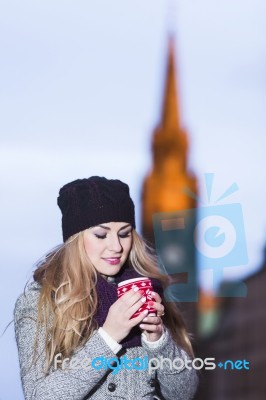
(88, 202)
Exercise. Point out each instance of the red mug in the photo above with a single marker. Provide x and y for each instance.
(143, 284)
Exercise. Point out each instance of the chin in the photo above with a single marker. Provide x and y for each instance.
(112, 270)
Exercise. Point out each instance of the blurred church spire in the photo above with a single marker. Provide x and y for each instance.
(170, 109)
(165, 185)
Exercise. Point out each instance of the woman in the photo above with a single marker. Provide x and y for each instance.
(75, 339)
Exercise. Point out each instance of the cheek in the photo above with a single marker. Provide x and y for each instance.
(128, 246)
(92, 247)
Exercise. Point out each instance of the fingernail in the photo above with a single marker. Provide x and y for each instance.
(153, 293)
(145, 319)
(136, 289)
(145, 312)
(141, 326)
(151, 303)
(143, 299)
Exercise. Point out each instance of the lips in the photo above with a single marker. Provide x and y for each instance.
(112, 260)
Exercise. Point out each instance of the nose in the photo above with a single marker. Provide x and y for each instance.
(114, 244)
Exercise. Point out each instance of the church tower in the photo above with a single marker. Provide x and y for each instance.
(164, 189)
(165, 220)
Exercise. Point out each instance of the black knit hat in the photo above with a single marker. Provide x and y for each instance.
(88, 202)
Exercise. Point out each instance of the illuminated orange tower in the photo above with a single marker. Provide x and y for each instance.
(164, 194)
(164, 187)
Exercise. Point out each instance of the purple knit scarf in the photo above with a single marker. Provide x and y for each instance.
(107, 295)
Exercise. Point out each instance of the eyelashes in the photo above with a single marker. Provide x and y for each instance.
(122, 236)
(99, 236)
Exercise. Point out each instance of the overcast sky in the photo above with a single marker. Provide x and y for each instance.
(80, 93)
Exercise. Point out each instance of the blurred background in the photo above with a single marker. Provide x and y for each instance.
(168, 96)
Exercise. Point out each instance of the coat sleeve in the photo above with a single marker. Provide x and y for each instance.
(73, 382)
(178, 380)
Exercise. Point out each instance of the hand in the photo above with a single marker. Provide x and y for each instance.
(118, 323)
(152, 325)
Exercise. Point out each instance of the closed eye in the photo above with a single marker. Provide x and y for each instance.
(100, 236)
(124, 235)
(121, 235)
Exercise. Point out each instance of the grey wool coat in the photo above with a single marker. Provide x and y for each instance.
(80, 383)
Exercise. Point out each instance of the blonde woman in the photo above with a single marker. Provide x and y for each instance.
(76, 339)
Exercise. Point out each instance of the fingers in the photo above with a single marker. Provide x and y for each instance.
(157, 306)
(152, 320)
(132, 301)
(152, 324)
(131, 297)
(137, 320)
(156, 297)
(135, 307)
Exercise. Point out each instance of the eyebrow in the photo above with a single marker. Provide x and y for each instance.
(108, 229)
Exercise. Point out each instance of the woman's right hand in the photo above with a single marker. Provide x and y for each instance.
(118, 323)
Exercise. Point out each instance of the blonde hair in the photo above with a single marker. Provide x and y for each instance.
(68, 297)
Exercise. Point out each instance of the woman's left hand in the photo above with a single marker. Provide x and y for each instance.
(152, 325)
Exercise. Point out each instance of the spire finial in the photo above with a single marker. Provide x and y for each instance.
(170, 111)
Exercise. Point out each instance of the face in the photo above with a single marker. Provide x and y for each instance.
(108, 246)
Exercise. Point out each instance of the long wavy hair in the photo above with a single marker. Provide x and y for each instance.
(68, 297)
